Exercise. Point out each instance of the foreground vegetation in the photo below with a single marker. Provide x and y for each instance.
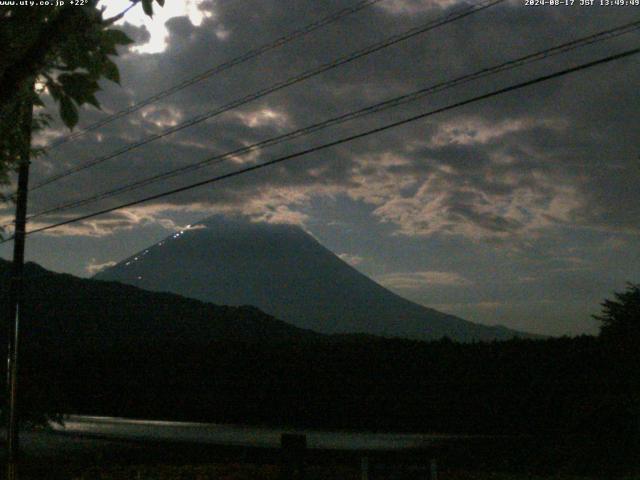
(572, 403)
(271, 472)
(262, 472)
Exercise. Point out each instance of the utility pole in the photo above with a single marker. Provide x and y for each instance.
(25, 118)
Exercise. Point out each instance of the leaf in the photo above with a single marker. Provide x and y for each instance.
(107, 45)
(116, 37)
(95, 63)
(92, 100)
(79, 86)
(160, 2)
(68, 112)
(147, 6)
(73, 82)
(37, 101)
(54, 89)
(110, 71)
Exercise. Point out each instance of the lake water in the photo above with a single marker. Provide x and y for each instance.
(237, 435)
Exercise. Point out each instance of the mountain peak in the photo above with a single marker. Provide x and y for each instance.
(287, 273)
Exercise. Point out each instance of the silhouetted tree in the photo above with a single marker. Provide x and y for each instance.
(65, 50)
(615, 430)
(621, 317)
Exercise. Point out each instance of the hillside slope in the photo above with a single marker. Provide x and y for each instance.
(67, 311)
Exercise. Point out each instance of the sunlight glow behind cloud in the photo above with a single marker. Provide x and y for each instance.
(156, 25)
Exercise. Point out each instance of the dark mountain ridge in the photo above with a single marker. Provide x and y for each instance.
(68, 311)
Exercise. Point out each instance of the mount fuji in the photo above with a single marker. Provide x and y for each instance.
(285, 272)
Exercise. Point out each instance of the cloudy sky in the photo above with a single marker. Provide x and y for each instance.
(522, 209)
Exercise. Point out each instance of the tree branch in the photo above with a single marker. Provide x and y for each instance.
(34, 59)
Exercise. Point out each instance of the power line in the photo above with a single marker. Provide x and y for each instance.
(307, 29)
(394, 102)
(276, 87)
(350, 138)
